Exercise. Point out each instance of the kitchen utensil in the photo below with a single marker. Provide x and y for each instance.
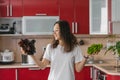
(6, 56)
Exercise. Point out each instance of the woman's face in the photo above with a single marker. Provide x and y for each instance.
(56, 32)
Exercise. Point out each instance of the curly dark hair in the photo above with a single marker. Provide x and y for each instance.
(69, 39)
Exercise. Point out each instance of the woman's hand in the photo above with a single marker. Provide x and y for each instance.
(23, 52)
(86, 56)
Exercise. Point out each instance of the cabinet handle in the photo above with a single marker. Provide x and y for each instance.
(91, 72)
(7, 10)
(42, 14)
(72, 27)
(10, 10)
(16, 74)
(34, 68)
(76, 27)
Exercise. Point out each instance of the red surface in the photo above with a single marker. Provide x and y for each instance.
(3, 8)
(7, 74)
(76, 11)
(82, 16)
(67, 10)
(16, 8)
(112, 77)
(26, 74)
(33, 7)
(84, 74)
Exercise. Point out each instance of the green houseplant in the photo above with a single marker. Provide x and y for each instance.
(94, 49)
(115, 48)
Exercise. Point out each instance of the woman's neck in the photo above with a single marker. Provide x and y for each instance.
(61, 43)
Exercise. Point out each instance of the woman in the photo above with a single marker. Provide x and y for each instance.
(63, 54)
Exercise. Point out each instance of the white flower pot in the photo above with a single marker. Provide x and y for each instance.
(30, 60)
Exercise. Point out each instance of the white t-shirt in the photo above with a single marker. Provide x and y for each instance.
(62, 63)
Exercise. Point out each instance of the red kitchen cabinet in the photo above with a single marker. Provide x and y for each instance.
(112, 77)
(82, 16)
(101, 75)
(26, 74)
(40, 7)
(4, 8)
(77, 13)
(7, 74)
(11, 8)
(17, 8)
(85, 74)
(67, 11)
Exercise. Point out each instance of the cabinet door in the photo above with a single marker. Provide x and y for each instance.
(16, 8)
(84, 74)
(77, 13)
(112, 77)
(4, 8)
(67, 12)
(11, 8)
(98, 16)
(82, 16)
(7, 74)
(40, 7)
(116, 10)
(26, 74)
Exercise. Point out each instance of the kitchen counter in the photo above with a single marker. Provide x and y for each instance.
(17, 65)
(106, 68)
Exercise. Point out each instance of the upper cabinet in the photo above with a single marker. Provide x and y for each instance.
(10, 8)
(115, 20)
(116, 10)
(99, 17)
(40, 7)
(77, 13)
(82, 16)
(74, 11)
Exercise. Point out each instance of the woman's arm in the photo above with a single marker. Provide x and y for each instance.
(79, 66)
(42, 64)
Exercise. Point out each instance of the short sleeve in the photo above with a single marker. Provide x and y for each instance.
(47, 52)
(78, 54)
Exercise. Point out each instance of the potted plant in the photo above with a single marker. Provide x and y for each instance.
(28, 46)
(92, 50)
(116, 50)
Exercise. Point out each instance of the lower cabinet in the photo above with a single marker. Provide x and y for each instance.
(88, 73)
(100, 75)
(112, 77)
(35, 74)
(32, 74)
(7, 74)
(85, 74)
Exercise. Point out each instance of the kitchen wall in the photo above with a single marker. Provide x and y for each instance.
(11, 43)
